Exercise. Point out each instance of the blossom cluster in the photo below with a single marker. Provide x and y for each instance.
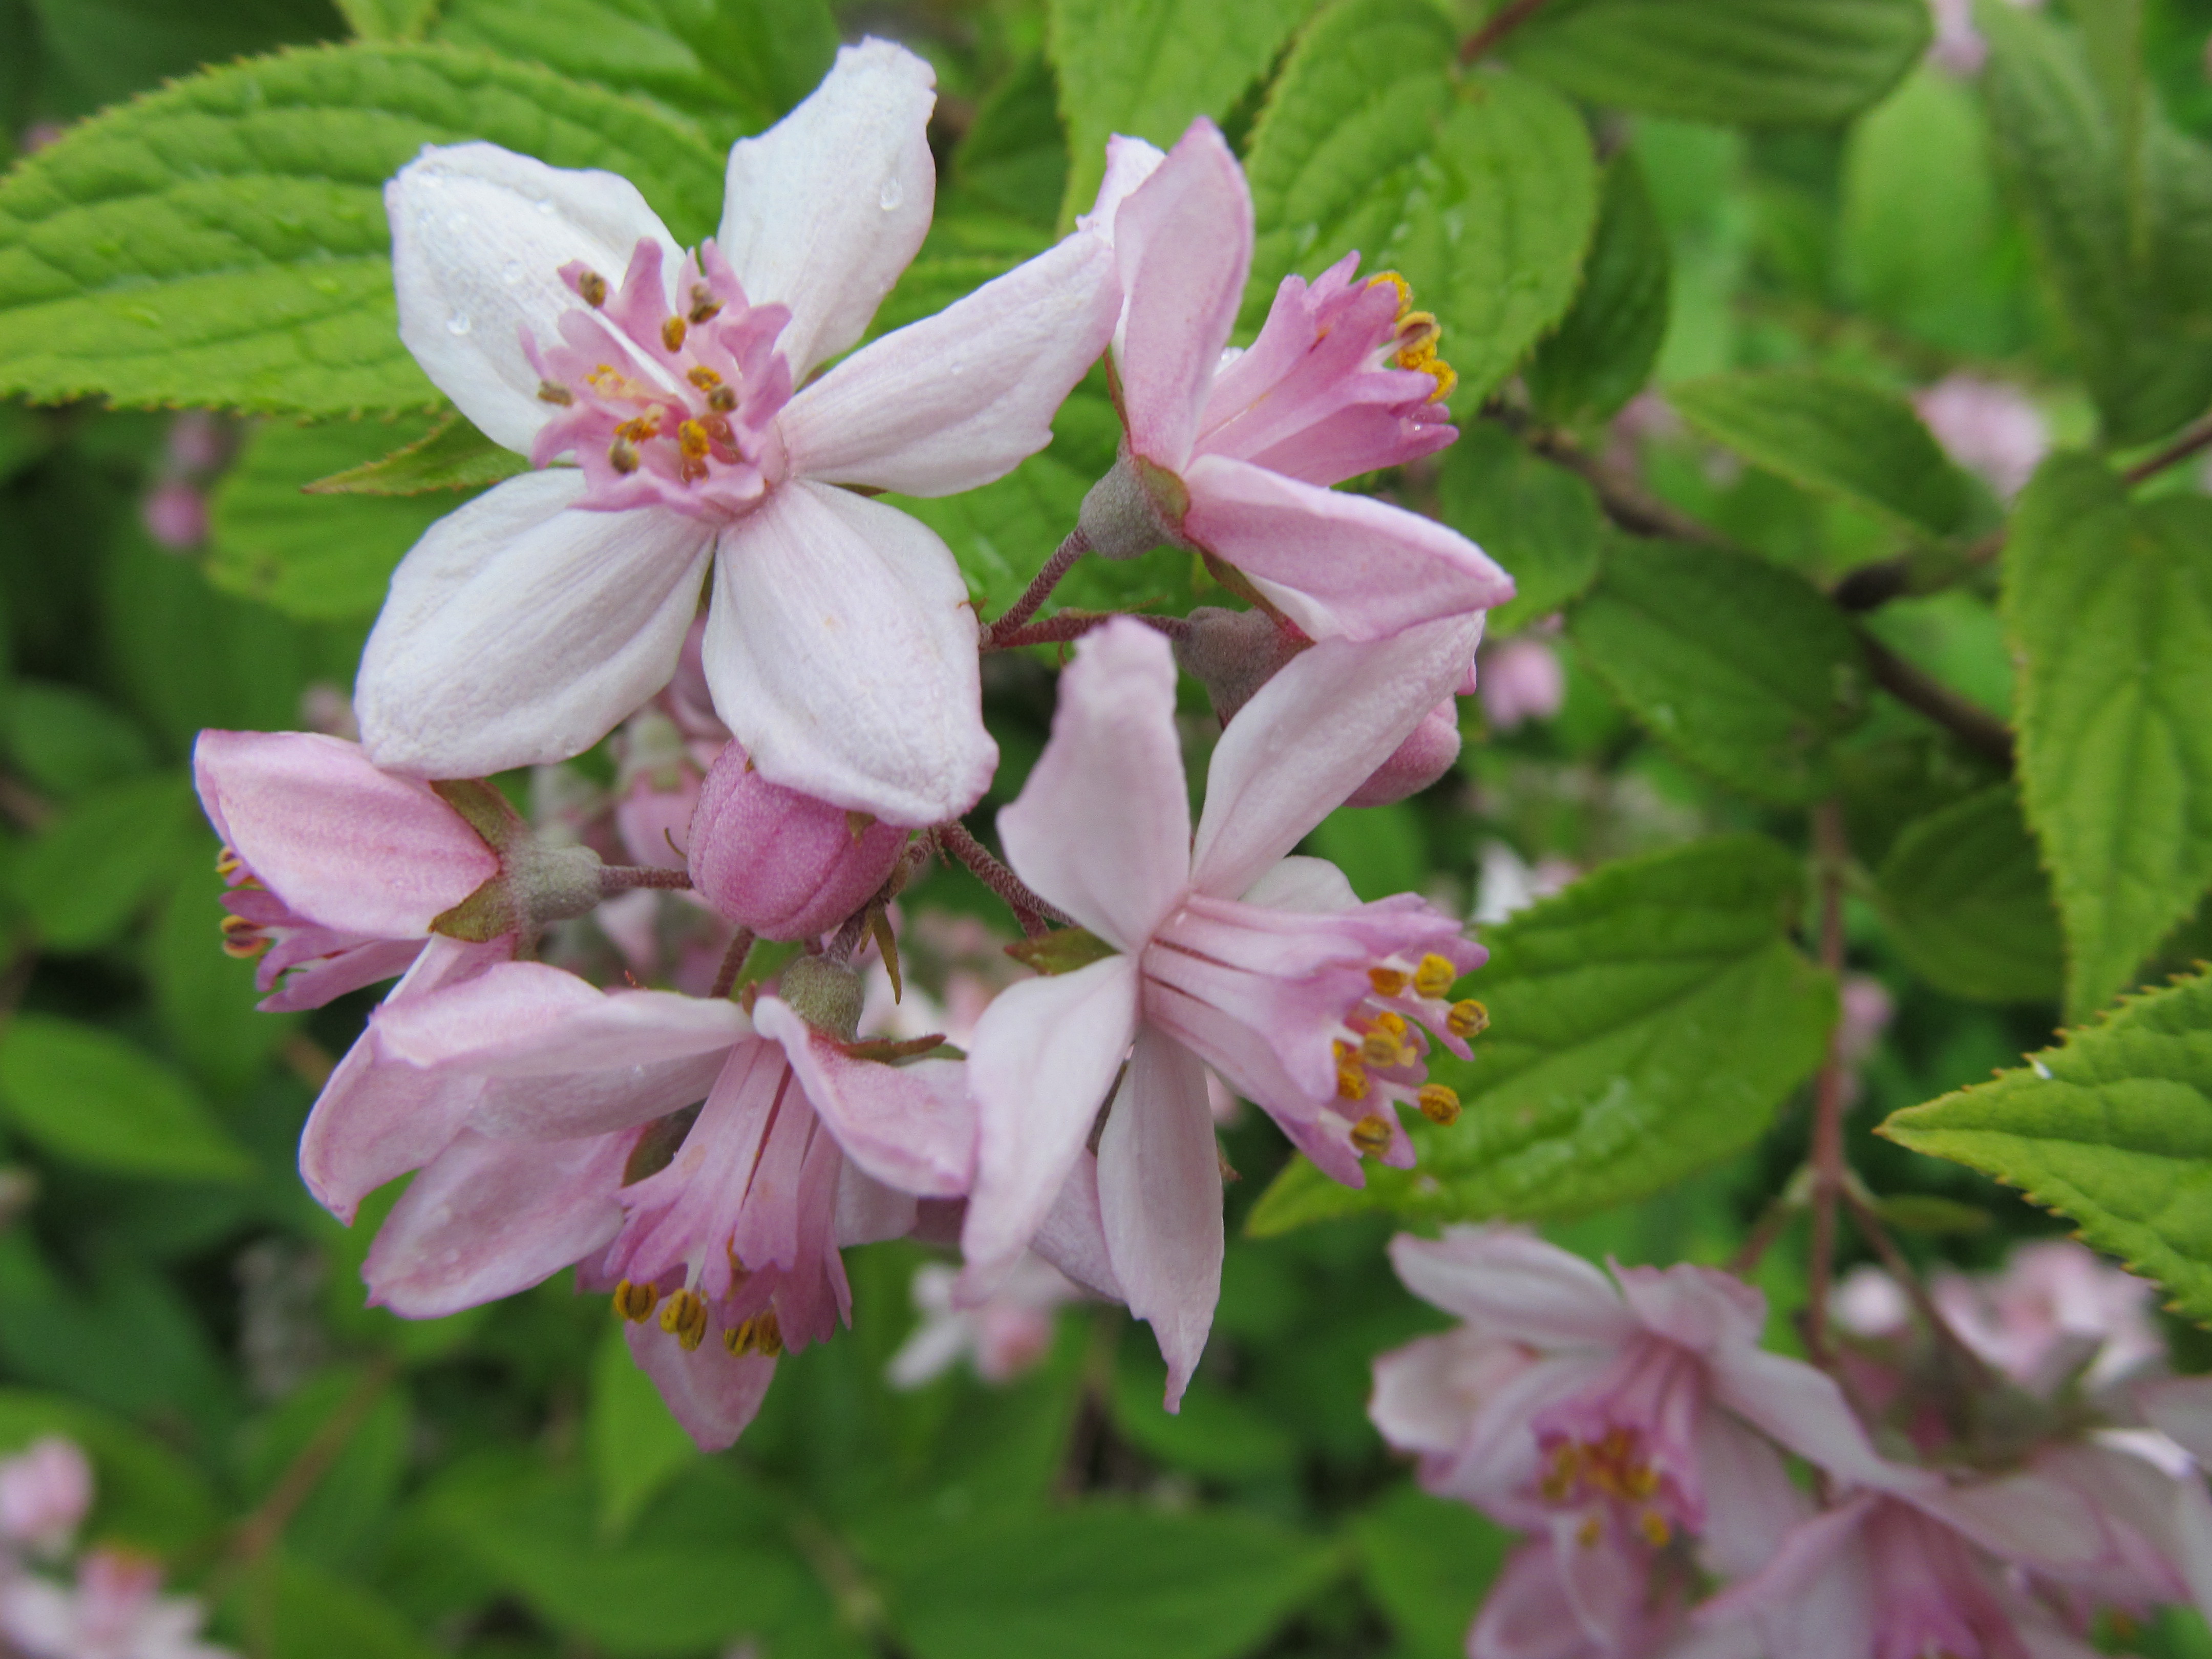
(578, 1065)
(1986, 1483)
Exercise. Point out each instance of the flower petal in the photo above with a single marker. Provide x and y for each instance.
(479, 238)
(2027, 1518)
(1159, 1196)
(1073, 1236)
(840, 646)
(1044, 1056)
(910, 1126)
(2181, 1408)
(1804, 1410)
(1512, 1284)
(526, 1020)
(341, 842)
(828, 206)
(1751, 1502)
(713, 1394)
(1184, 241)
(490, 1218)
(1102, 828)
(1129, 162)
(1338, 564)
(959, 399)
(518, 631)
(1309, 737)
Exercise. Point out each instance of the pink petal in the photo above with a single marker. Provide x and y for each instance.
(1129, 162)
(1309, 737)
(1159, 1196)
(960, 398)
(2027, 1518)
(868, 1212)
(840, 646)
(1512, 1284)
(1826, 1547)
(342, 843)
(1414, 1405)
(490, 1218)
(518, 631)
(537, 1108)
(526, 1020)
(911, 1127)
(826, 208)
(1805, 1410)
(1337, 563)
(1044, 1056)
(1751, 1502)
(713, 1393)
(2181, 1407)
(1072, 1235)
(1699, 1308)
(1184, 240)
(479, 235)
(1102, 828)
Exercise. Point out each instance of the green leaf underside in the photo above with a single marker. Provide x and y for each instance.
(1601, 354)
(1780, 63)
(452, 455)
(1481, 189)
(1740, 666)
(2109, 608)
(1969, 905)
(222, 242)
(1645, 1022)
(88, 1096)
(2113, 1129)
(1541, 522)
(1836, 436)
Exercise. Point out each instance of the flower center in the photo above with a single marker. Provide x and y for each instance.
(661, 403)
(1622, 1448)
(1418, 334)
(1382, 1051)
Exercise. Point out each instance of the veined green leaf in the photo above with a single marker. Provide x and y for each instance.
(87, 874)
(1541, 522)
(88, 1096)
(1969, 905)
(1600, 355)
(452, 455)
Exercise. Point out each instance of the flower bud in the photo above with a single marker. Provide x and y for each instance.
(1416, 763)
(44, 1493)
(783, 864)
(1232, 653)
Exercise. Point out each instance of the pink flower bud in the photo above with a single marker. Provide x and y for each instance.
(1416, 763)
(1868, 1008)
(783, 864)
(1521, 680)
(175, 515)
(1987, 426)
(196, 442)
(45, 1494)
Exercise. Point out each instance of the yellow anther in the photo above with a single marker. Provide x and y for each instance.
(1641, 1482)
(1653, 1525)
(1439, 1103)
(622, 455)
(702, 377)
(635, 1302)
(691, 438)
(593, 288)
(1380, 1049)
(1589, 1532)
(1371, 1134)
(1393, 1023)
(672, 333)
(1416, 340)
(723, 399)
(1404, 289)
(761, 1334)
(552, 391)
(641, 428)
(1386, 982)
(1435, 976)
(1351, 1082)
(703, 304)
(1467, 1018)
(685, 1318)
(242, 938)
(606, 380)
(228, 863)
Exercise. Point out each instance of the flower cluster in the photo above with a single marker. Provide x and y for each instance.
(583, 1062)
(1634, 1427)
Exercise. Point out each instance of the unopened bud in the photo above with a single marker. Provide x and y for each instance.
(784, 865)
(1232, 653)
(826, 994)
(1416, 763)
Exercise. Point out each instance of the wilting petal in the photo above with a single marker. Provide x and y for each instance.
(1309, 737)
(1073, 1236)
(828, 206)
(1337, 563)
(1512, 1284)
(959, 399)
(912, 1127)
(713, 1393)
(490, 1218)
(1044, 1056)
(526, 1020)
(1102, 828)
(840, 646)
(519, 632)
(479, 238)
(1184, 239)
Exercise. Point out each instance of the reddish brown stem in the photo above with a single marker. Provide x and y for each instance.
(1039, 590)
(1032, 912)
(1917, 689)
(622, 877)
(1831, 852)
(733, 964)
(1485, 39)
(2196, 439)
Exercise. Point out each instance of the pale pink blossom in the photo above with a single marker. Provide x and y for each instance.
(1008, 1333)
(1991, 429)
(115, 1610)
(1233, 452)
(785, 865)
(327, 708)
(45, 1492)
(175, 515)
(557, 310)
(657, 773)
(2057, 1311)
(1506, 884)
(1622, 1600)
(1520, 680)
(1222, 955)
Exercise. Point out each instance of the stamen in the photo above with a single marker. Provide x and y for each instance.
(761, 1334)
(1351, 1081)
(1653, 1525)
(1379, 1048)
(1435, 976)
(1371, 1135)
(1386, 982)
(242, 938)
(1404, 289)
(552, 391)
(722, 399)
(1467, 1019)
(691, 439)
(621, 456)
(685, 1318)
(672, 333)
(1439, 1103)
(593, 287)
(702, 377)
(703, 303)
(635, 1302)
(228, 863)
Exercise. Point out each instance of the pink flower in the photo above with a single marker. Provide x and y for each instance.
(115, 1611)
(2058, 1309)
(45, 1492)
(656, 789)
(1004, 1335)
(1233, 452)
(175, 515)
(1616, 1604)
(783, 864)
(704, 1164)
(1520, 680)
(1985, 426)
(555, 310)
(1222, 955)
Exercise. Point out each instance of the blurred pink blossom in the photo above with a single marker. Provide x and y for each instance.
(195, 443)
(45, 1492)
(1868, 1008)
(326, 708)
(38, 136)
(175, 515)
(1506, 886)
(1004, 1335)
(1992, 429)
(116, 1611)
(1520, 679)
(2057, 1307)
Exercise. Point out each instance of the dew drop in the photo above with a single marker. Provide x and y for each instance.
(892, 194)
(458, 323)
(512, 270)
(545, 205)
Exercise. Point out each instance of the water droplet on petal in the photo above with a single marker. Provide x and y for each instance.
(512, 270)
(545, 205)
(458, 323)
(892, 194)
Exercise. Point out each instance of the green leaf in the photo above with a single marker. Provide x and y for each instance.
(361, 1420)
(223, 241)
(1743, 667)
(1381, 849)
(1540, 521)
(1215, 1434)
(1480, 189)
(388, 22)
(1969, 906)
(1645, 1022)
(637, 1445)
(205, 997)
(2113, 1129)
(1097, 1582)
(1754, 63)
(316, 556)
(305, 1611)
(68, 741)
(1427, 1563)
(1600, 355)
(145, 1494)
(111, 49)
(1836, 436)
(90, 1097)
(1014, 158)
(1146, 69)
(452, 455)
(86, 875)
(2109, 610)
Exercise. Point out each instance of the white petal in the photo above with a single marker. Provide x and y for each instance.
(828, 206)
(1512, 1284)
(1129, 162)
(1312, 885)
(521, 630)
(1311, 735)
(841, 648)
(1159, 1194)
(959, 399)
(478, 237)
(1102, 828)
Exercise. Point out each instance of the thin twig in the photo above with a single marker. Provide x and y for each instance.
(1972, 723)
(1832, 853)
(2196, 439)
(624, 878)
(733, 964)
(1030, 911)
(1868, 1220)
(1782, 1209)
(1485, 39)
(1625, 502)
(259, 1532)
(1918, 570)
(1039, 590)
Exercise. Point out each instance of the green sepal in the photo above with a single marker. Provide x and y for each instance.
(1062, 950)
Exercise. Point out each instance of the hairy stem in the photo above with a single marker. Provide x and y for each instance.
(624, 878)
(1034, 914)
(2194, 442)
(1831, 853)
(733, 964)
(1485, 39)
(1039, 590)
(1969, 721)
